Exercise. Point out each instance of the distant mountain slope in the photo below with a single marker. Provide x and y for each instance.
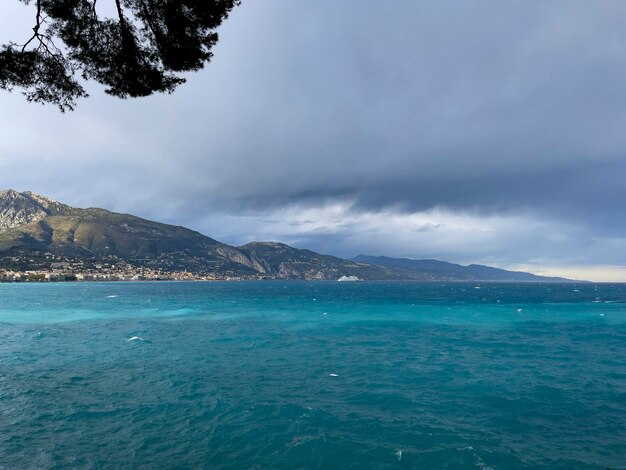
(283, 261)
(37, 232)
(436, 270)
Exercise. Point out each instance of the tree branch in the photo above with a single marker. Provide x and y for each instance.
(36, 34)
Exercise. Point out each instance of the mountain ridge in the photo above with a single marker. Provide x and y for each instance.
(471, 272)
(37, 233)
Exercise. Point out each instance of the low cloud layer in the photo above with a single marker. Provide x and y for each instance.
(470, 131)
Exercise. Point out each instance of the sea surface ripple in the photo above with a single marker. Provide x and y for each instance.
(312, 375)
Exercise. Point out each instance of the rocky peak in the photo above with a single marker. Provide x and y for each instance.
(44, 201)
(21, 208)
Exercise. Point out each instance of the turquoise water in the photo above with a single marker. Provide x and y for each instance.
(312, 375)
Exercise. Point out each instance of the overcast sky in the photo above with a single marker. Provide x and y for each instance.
(471, 131)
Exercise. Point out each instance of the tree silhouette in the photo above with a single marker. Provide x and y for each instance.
(141, 50)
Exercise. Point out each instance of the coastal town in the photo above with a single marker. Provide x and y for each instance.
(142, 275)
(80, 271)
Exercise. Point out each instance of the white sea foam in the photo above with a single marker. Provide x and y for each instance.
(111, 296)
(135, 338)
(334, 375)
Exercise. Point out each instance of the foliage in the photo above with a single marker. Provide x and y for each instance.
(143, 49)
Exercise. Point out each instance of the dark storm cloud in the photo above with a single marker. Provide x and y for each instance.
(467, 105)
(586, 192)
(475, 107)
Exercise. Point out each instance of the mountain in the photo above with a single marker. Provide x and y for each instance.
(20, 208)
(39, 234)
(283, 261)
(36, 227)
(431, 269)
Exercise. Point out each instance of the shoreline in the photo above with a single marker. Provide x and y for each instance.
(56, 278)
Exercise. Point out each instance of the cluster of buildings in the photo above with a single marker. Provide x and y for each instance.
(34, 276)
(66, 275)
(51, 268)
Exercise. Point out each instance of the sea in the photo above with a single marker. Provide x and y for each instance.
(312, 375)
